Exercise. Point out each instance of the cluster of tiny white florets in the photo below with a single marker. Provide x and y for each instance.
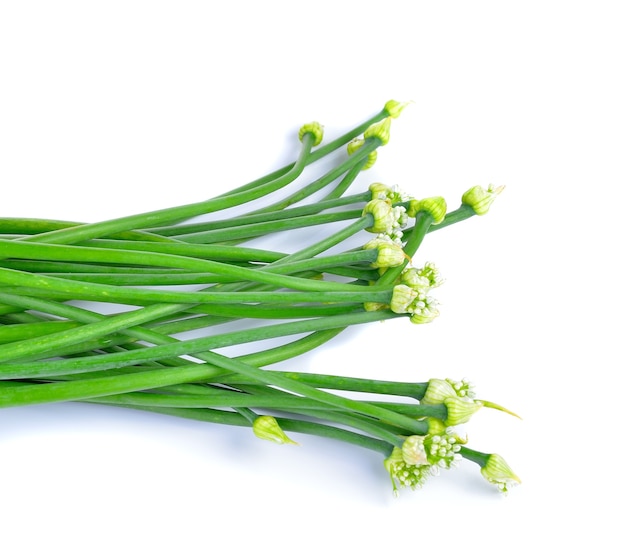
(440, 390)
(423, 278)
(391, 194)
(421, 457)
(443, 449)
(411, 294)
(464, 388)
(405, 474)
(388, 219)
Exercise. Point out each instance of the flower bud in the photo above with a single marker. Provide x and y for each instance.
(388, 219)
(380, 130)
(382, 213)
(375, 306)
(435, 206)
(390, 253)
(314, 128)
(355, 145)
(498, 472)
(394, 108)
(435, 426)
(437, 392)
(380, 191)
(402, 298)
(267, 428)
(460, 410)
(479, 199)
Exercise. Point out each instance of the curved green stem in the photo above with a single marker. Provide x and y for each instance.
(250, 219)
(178, 213)
(356, 158)
(256, 230)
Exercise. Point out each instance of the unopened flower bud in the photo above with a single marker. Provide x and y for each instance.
(380, 130)
(375, 306)
(313, 128)
(394, 108)
(435, 206)
(355, 145)
(383, 215)
(460, 410)
(267, 428)
(479, 199)
(435, 426)
(437, 392)
(498, 472)
(390, 253)
(380, 191)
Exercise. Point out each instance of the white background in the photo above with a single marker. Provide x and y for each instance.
(112, 108)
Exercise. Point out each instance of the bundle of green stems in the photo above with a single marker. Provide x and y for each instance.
(187, 281)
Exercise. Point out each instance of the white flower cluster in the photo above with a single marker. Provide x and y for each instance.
(411, 294)
(421, 457)
(405, 474)
(391, 194)
(388, 219)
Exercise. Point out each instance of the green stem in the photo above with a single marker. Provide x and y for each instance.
(289, 425)
(453, 217)
(356, 158)
(179, 213)
(16, 249)
(423, 221)
(29, 226)
(294, 386)
(250, 219)
(192, 346)
(256, 230)
(321, 151)
(477, 457)
(96, 326)
(343, 383)
(346, 182)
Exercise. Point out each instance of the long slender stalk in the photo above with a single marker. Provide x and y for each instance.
(192, 346)
(179, 213)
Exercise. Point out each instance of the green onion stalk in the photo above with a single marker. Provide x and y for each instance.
(187, 282)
